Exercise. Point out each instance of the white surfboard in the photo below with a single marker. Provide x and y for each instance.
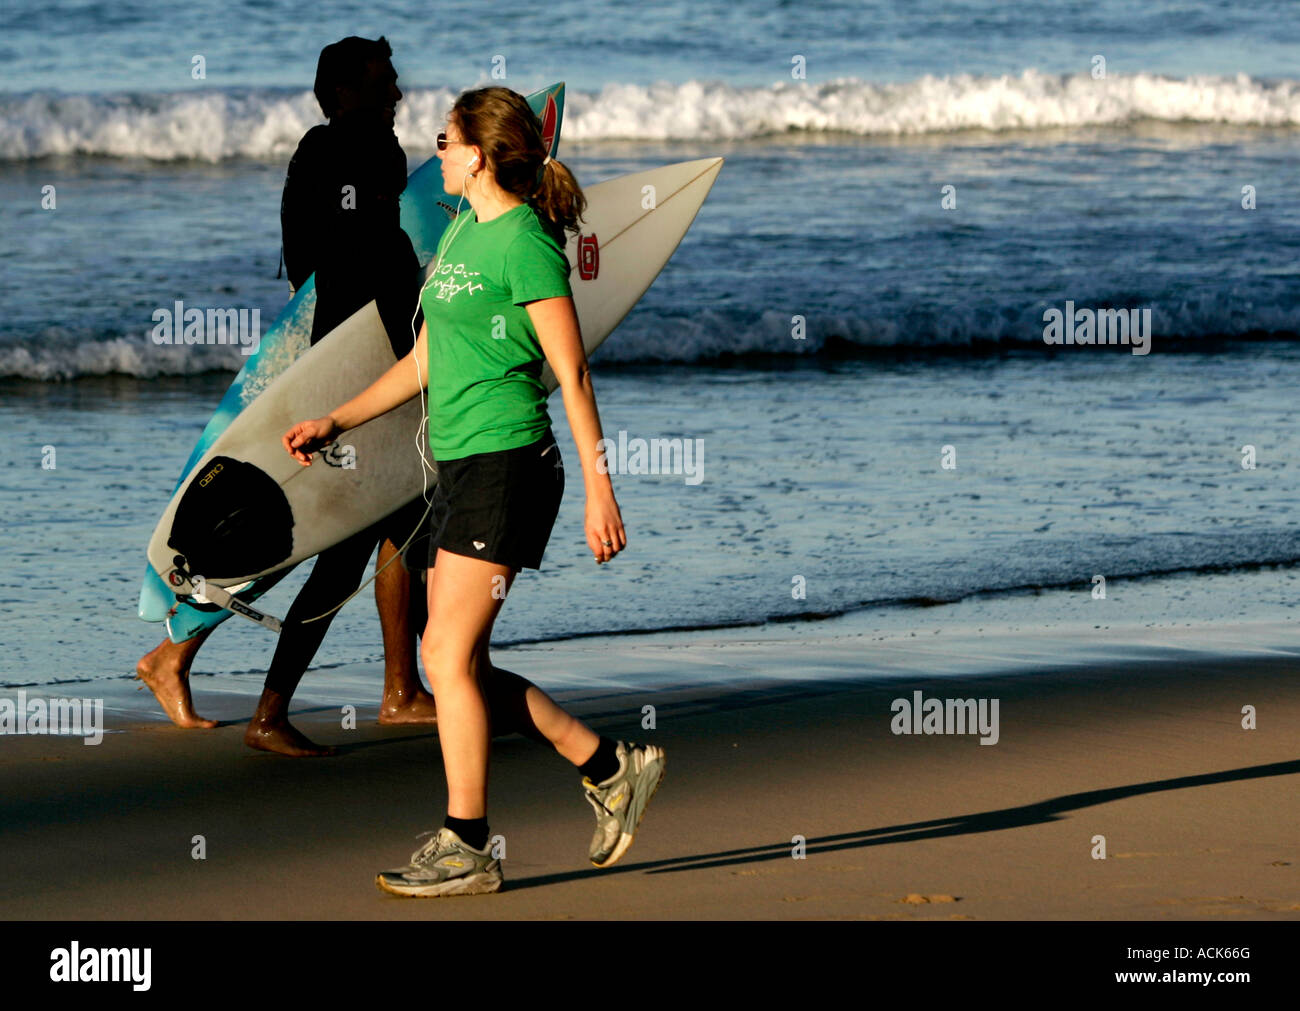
(248, 509)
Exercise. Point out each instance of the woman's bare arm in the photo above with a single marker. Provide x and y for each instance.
(558, 332)
(394, 388)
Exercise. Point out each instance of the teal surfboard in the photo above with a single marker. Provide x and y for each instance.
(426, 208)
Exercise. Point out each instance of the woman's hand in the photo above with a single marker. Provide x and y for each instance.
(301, 441)
(605, 534)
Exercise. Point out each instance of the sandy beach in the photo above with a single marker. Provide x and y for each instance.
(1134, 734)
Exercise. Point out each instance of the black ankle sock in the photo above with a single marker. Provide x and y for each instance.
(604, 763)
(473, 831)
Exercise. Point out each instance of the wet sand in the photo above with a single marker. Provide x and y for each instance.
(770, 734)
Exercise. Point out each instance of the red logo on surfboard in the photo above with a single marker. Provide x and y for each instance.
(550, 115)
(588, 257)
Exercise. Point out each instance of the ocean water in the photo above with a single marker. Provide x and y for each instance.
(866, 285)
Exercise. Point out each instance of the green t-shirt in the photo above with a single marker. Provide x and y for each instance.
(485, 362)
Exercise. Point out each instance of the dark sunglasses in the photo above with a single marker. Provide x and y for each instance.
(443, 142)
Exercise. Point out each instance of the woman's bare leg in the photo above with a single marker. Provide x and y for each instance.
(462, 608)
(519, 706)
(465, 596)
(516, 705)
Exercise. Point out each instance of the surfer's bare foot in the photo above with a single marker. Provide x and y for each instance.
(166, 670)
(398, 708)
(270, 729)
(279, 736)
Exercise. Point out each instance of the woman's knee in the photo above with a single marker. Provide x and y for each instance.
(444, 659)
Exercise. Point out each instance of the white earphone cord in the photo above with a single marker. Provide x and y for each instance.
(425, 466)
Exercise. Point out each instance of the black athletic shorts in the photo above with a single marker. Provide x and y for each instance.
(498, 506)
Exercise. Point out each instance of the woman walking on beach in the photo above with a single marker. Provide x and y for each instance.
(497, 305)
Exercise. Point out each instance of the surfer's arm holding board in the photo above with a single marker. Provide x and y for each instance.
(394, 388)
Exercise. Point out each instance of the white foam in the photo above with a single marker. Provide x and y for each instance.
(1029, 101)
(48, 361)
(653, 336)
(217, 125)
(710, 334)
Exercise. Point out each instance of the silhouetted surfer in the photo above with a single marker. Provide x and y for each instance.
(339, 214)
(340, 220)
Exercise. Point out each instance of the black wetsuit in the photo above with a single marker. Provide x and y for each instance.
(340, 220)
(339, 217)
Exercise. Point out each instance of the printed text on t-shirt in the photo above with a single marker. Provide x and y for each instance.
(450, 280)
